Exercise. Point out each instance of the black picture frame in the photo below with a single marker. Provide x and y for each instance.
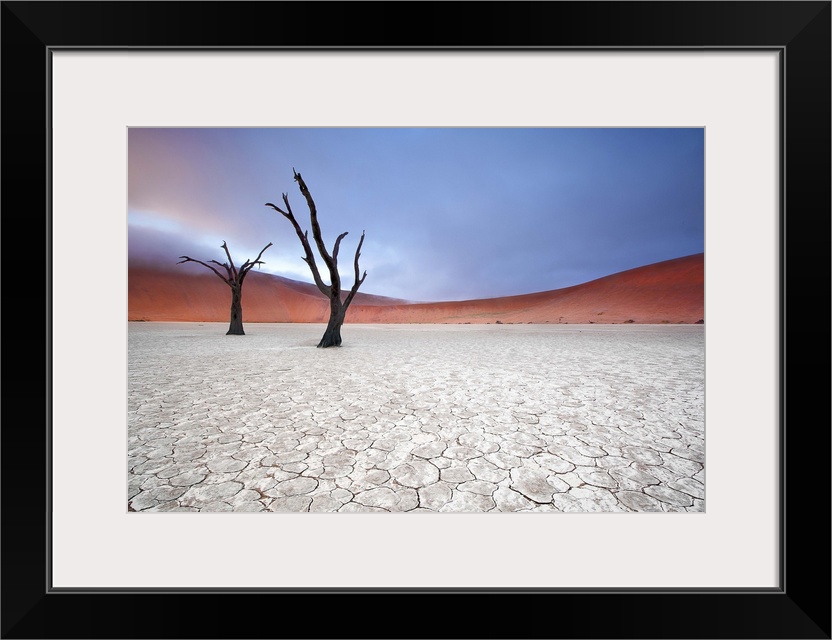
(798, 608)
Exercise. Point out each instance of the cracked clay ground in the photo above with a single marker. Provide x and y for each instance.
(418, 418)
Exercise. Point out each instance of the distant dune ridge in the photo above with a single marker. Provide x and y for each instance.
(669, 292)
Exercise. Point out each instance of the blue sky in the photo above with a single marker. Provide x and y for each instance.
(449, 213)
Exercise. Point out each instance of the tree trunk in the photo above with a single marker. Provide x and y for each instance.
(233, 279)
(332, 335)
(236, 326)
(337, 305)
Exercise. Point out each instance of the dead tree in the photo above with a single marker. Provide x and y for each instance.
(338, 304)
(234, 278)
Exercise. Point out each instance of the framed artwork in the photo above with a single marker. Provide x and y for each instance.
(100, 95)
(488, 365)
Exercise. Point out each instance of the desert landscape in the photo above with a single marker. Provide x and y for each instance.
(669, 292)
(530, 336)
(587, 399)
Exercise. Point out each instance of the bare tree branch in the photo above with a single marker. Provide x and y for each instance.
(262, 251)
(224, 265)
(219, 275)
(230, 261)
(248, 265)
(338, 246)
(276, 208)
(316, 228)
(304, 240)
(358, 281)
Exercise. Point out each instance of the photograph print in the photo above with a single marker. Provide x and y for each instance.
(420, 320)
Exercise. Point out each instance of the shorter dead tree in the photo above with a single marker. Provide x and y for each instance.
(338, 305)
(234, 278)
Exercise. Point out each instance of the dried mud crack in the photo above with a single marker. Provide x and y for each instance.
(417, 418)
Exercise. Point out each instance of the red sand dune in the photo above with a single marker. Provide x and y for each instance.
(666, 292)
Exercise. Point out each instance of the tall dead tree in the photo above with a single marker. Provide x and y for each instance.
(338, 304)
(234, 278)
